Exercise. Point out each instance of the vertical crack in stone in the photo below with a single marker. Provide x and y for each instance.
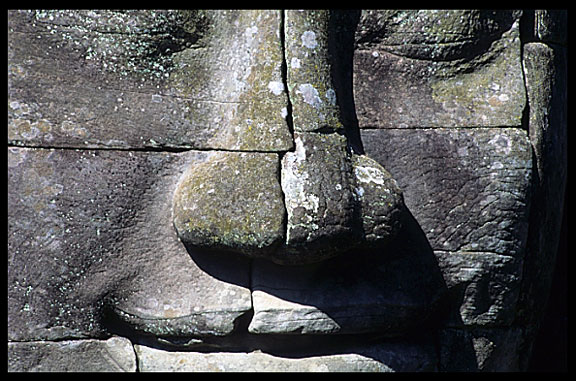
(284, 69)
(314, 166)
(526, 30)
(289, 120)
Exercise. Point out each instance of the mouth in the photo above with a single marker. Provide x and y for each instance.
(364, 353)
(356, 311)
(391, 350)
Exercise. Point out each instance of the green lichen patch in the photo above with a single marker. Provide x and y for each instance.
(485, 93)
(438, 69)
(232, 201)
(125, 42)
(234, 82)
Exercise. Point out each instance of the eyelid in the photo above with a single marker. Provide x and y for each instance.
(421, 34)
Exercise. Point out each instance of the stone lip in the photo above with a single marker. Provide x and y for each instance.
(363, 357)
(113, 355)
(358, 293)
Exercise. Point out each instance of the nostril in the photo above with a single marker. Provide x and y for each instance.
(335, 201)
(379, 201)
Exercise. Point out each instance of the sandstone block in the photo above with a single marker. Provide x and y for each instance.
(467, 188)
(134, 79)
(383, 357)
(113, 355)
(484, 287)
(387, 291)
(309, 71)
(90, 232)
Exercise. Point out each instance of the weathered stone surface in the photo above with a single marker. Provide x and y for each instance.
(484, 287)
(486, 350)
(317, 184)
(309, 71)
(195, 298)
(379, 200)
(382, 357)
(113, 355)
(194, 79)
(232, 201)
(468, 188)
(151, 360)
(431, 68)
(91, 231)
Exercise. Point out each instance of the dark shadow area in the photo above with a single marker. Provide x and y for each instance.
(342, 25)
(395, 297)
(220, 264)
(550, 348)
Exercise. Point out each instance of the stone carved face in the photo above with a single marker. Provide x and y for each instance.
(353, 189)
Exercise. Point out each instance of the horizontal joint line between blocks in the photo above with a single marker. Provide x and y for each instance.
(137, 149)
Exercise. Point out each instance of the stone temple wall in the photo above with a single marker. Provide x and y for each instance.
(282, 190)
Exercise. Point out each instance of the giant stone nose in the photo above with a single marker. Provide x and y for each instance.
(315, 203)
(301, 206)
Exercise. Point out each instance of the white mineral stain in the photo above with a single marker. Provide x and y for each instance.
(331, 96)
(369, 175)
(309, 39)
(294, 185)
(310, 94)
(497, 165)
(251, 31)
(502, 144)
(462, 151)
(300, 151)
(295, 63)
(276, 87)
(16, 156)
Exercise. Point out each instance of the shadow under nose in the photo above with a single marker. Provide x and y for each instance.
(357, 292)
(361, 291)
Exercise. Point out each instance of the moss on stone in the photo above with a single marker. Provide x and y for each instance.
(232, 201)
(486, 91)
(227, 82)
(310, 82)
